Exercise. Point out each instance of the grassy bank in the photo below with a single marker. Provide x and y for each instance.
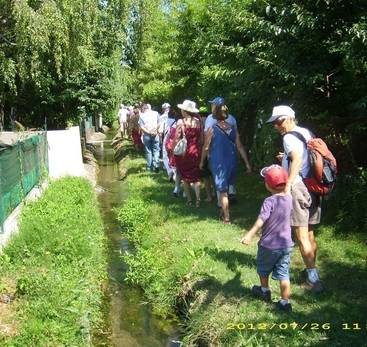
(189, 262)
(55, 267)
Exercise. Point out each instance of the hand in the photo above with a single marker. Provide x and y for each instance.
(279, 157)
(246, 240)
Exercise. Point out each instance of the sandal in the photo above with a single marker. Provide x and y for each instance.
(226, 221)
(197, 203)
(189, 203)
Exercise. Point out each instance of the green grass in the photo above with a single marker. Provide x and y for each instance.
(190, 263)
(56, 266)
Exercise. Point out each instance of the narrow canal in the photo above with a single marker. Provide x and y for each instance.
(131, 319)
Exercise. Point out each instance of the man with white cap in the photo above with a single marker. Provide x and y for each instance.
(306, 206)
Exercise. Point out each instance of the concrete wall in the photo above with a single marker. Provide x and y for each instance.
(65, 153)
(65, 158)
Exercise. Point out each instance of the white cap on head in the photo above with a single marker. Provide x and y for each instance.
(166, 105)
(281, 112)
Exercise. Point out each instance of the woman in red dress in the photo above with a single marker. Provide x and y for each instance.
(188, 164)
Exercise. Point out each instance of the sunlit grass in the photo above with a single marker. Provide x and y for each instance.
(56, 267)
(188, 261)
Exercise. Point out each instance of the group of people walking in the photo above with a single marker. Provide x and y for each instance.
(195, 147)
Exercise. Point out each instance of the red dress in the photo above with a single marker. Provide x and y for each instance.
(136, 136)
(188, 164)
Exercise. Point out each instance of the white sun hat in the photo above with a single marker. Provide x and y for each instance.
(189, 106)
(281, 112)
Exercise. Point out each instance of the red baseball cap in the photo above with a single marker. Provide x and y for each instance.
(274, 176)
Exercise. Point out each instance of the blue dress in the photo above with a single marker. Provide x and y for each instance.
(223, 157)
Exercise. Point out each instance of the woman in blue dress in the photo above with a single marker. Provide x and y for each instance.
(221, 145)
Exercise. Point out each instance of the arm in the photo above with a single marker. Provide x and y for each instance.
(246, 240)
(295, 166)
(242, 151)
(145, 130)
(205, 149)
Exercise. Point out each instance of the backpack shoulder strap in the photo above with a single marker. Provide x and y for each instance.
(298, 135)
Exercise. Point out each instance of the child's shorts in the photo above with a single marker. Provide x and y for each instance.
(275, 261)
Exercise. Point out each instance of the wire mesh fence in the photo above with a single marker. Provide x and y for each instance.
(22, 166)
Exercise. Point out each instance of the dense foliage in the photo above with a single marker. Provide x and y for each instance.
(62, 60)
(310, 54)
(59, 60)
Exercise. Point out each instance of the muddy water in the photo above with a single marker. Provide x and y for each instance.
(131, 319)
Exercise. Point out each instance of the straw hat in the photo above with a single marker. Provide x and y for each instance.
(189, 106)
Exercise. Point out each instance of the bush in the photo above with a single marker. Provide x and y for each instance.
(347, 206)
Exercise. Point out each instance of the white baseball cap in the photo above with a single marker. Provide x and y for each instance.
(281, 112)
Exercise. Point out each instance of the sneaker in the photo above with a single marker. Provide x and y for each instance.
(256, 291)
(285, 308)
(316, 287)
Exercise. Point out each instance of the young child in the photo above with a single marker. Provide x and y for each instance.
(275, 244)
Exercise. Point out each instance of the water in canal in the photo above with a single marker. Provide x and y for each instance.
(131, 319)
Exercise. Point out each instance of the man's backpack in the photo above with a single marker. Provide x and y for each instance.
(321, 177)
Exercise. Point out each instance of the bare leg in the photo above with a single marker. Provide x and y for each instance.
(285, 289)
(187, 190)
(264, 281)
(312, 239)
(305, 246)
(225, 206)
(197, 193)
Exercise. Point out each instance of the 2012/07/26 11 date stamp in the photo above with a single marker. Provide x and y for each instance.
(347, 326)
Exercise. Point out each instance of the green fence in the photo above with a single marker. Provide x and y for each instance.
(21, 168)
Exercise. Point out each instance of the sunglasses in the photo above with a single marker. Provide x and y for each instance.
(279, 121)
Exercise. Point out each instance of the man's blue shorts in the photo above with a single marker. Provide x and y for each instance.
(275, 261)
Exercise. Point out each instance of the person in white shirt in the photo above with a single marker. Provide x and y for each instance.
(163, 129)
(306, 206)
(149, 124)
(122, 118)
